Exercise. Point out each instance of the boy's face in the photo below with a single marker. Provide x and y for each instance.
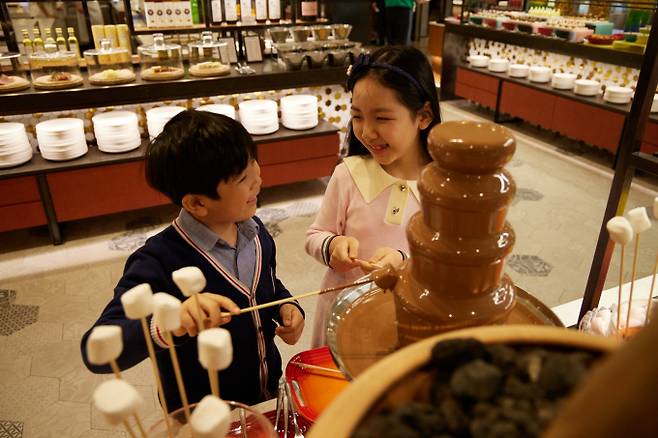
(237, 197)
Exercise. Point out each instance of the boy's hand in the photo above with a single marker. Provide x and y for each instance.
(382, 257)
(343, 250)
(212, 306)
(293, 324)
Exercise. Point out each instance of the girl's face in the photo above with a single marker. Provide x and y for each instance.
(387, 128)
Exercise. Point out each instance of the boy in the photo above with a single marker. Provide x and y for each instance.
(206, 163)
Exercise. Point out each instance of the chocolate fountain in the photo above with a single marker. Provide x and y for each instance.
(459, 241)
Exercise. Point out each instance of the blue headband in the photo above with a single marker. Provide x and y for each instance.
(364, 62)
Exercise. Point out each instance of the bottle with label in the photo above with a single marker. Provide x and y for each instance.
(48, 40)
(274, 10)
(246, 13)
(60, 40)
(194, 6)
(37, 42)
(261, 10)
(307, 10)
(27, 42)
(73, 42)
(231, 11)
(216, 11)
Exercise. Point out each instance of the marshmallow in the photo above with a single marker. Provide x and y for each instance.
(190, 280)
(138, 301)
(655, 207)
(639, 219)
(620, 229)
(211, 418)
(116, 399)
(166, 311)
(215, 349)
(104, 344)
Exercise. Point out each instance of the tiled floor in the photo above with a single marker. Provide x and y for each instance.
(50, 295)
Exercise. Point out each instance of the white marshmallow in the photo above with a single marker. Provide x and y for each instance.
(104, 344)
(655, 207)
(190, 280)
(211, 418)
(116, 399)
(166, 311)
(620, 229)
(639, 219)
(215, 348)
(138, 301)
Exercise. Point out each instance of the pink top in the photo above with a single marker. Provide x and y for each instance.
(364, 202)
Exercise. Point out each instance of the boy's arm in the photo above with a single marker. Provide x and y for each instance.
(141, 267)
(330, 221)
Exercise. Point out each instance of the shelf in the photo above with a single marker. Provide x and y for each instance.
(269, 76)
(38, 165)
(568, 94)
(554, 45)
(225, 27)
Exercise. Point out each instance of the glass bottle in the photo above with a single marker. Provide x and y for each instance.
(231, 11)
(307, 10)
(37, 42)
(216, 11)
(260, 7)
(49, 40)
(60, 40)
(274, 10)
(246, 12)
(27, 42)
(73, 42)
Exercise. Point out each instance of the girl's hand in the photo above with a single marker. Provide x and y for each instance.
(293, 324)
(342, 252)
(382, 257)
(212, 305)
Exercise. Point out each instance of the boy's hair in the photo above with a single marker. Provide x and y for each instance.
(406, 71)
(195, 152)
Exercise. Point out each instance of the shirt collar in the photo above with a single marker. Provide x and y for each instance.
(205, 237)
(371, 179)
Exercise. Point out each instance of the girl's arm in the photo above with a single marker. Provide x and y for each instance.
(331, 217)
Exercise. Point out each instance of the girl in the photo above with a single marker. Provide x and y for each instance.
(372, 194)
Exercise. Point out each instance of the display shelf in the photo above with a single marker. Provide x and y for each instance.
(225, 27)
(38, 165)
(548, 44)
(269, 75)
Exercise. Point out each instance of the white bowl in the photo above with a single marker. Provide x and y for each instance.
(519, 70)
(498, 65)
(586, 87)
(540, 74)
(620, 95)
(478, 60)
(563, 81)
(654, 106)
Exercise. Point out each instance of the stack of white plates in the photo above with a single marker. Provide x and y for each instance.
(157, 118)
(15, 147)
(61, 139)
(227, 110)
(117, 131)
(621, 95)
(299, 111)
(259, 116)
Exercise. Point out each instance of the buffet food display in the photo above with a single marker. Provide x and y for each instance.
(13, 77)
(161, 61)
(109, 65)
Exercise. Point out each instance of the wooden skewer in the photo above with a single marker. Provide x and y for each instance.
(117, 374)
(142, 432)
(297, 297)
(619, 293)
(653, 283)
(129, 429)
(179, 377)
(214, 382)
(115, 369)
(630, 298)
(156, 373)
(319, 368)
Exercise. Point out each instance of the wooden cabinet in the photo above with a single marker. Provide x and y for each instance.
(20, 204)
(477, 87)
(531, 105)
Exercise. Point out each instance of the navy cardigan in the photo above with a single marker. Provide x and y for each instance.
(253, 375)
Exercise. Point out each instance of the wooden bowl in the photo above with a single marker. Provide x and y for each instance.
(398, 378)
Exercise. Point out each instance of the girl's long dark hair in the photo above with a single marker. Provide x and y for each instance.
(412, 61)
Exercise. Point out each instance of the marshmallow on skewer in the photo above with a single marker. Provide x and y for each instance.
(620, 230)
(215, 349)
(116, 399)
(166, 311)
(190, 280)
(104, 344)
(138, 301)
(211, 418)
(639, 220)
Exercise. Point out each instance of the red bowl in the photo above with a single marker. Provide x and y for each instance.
(546, 31)
(491, 22)
(509, 25)
(600, 40)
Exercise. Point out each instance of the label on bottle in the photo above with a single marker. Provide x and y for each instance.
(231, 10)
(216, 6)
(261, 10)
(309, 9)
(274, 7)
(245, 11)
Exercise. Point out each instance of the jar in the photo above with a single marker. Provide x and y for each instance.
(12, 76)
(206, 57)
(55, 70)
(109, 65)
(161, 61)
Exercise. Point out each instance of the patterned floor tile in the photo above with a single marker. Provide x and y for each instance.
(11, 429)
(523, 194)
(16, 317)
(7, 298)
(529, 265)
